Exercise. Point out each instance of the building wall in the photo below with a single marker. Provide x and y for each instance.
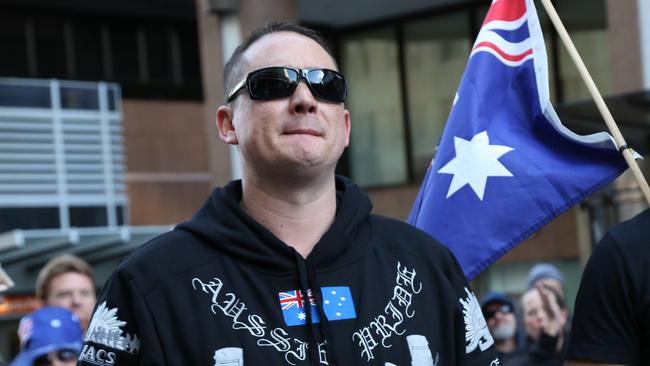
(168, 174)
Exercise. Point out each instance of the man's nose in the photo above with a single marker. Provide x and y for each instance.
(302, 100)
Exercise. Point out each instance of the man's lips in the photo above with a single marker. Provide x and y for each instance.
(303, 131)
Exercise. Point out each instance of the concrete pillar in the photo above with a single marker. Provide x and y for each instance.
(219, 34)
(644, 33)
(211, 72)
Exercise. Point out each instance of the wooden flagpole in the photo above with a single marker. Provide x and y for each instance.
(598, 99)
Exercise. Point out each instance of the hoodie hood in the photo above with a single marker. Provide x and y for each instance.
(223, 224)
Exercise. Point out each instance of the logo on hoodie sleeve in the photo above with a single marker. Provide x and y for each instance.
(477, 333)
(106, 329)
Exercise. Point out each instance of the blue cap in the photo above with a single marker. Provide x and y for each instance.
(45, 330)
(497, 297)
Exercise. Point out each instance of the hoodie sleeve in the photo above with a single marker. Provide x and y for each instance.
(474, 343)
(121, 331)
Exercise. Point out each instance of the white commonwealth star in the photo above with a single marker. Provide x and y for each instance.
(475, 161)
(302, 316)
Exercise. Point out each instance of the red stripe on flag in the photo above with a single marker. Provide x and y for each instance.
(507, 10)
(503, 54)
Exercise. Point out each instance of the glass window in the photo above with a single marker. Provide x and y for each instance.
(14, 50)
(14, 95)
(588, 30)
(88, 216)
(436, 52)
(189, 49)
(377, 152)
(124, 52)
(159, 55)
(89, 57)
(28, 218)
(79, 98)
(50, 47)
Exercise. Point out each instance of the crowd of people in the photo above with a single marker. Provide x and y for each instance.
(289, 266)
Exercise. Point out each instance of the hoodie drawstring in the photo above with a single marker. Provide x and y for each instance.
(309, 283)
(325, 324)
(305, 289)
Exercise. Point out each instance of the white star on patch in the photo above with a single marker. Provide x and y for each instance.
(302, 316)
(475, 161)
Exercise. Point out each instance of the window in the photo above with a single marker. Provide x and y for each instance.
(89, 52)
(14, 45)
(50, 47)
(588, 30)
(377, 152)
(436, 51)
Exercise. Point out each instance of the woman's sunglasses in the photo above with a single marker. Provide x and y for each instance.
(280, 82)
(63, 355)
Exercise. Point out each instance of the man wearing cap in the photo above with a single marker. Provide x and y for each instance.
(50, 336)
(499, 312)
(548, 275)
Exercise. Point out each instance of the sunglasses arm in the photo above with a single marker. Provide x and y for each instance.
(236, 89)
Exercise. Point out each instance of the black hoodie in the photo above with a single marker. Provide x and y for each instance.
(221, 289)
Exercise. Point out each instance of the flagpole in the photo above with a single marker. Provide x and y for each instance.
(598, 99)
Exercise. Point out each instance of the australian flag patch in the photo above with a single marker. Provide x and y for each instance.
(337, 305)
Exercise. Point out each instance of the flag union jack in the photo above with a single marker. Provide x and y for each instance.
(289, 299)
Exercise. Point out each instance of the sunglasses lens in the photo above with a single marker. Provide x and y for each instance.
(272, 83)
(504, 309)
(327, 84)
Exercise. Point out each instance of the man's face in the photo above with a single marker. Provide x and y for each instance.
(501, 320)
(75, 292)
(297, 134)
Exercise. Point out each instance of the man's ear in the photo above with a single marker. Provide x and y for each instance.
(225, 125)
(346, 113)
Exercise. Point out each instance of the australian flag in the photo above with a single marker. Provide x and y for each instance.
(337, 305)
(506, 165)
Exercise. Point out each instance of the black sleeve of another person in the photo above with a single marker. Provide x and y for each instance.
(605, 322)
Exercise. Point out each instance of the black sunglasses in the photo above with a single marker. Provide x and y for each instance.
(64, 355)
(503, 309)
(280, 82)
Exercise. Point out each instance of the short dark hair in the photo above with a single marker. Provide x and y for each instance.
(233, 71)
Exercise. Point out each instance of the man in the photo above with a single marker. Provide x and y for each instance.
(287, 266)
(67, 281)
(499, 312)
(548, 275)
(545, 318)
(611, 323)
(50, 336)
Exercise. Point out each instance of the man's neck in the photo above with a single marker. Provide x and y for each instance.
(297, 216)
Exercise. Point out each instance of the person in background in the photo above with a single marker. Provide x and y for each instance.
(67, 281)
(499, 312)
(50, 336)
(611, 324)
(548, 275)
(545, 317)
